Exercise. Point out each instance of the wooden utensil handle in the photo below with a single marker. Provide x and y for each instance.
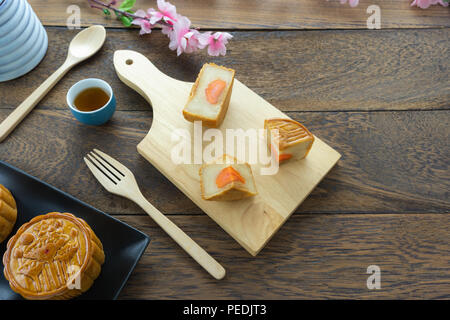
(8, 125)
(137, 72)
(189, 245)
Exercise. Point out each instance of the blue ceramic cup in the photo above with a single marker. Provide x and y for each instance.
(96, 117)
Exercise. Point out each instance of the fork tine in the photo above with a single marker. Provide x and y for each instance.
(104, 181)
(116, 164)
(102, 169)
(116, 173)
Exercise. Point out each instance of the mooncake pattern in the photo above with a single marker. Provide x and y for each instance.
(53, 256)
(287, 139)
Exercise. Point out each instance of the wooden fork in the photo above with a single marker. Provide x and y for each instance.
(119, 180)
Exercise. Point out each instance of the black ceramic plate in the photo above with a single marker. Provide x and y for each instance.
(123, 245)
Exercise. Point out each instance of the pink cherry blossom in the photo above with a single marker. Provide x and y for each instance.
(426, 3)
(167, 12)
(352, 3)
(215, 42)
(146, 26)
(183, 38)
(167, 29)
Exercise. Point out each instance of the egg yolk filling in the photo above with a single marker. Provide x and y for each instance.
(214, 90)
(281, 157)
(228, 175)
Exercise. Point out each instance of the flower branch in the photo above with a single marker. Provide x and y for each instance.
(183, 37)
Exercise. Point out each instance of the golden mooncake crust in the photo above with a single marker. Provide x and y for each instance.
(48, 253)
(8, 213)
(290, 132)
(287, 136)
(212, 123)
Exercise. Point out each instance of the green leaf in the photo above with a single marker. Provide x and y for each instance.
(106, 12)
(127, 5)
(126, 21)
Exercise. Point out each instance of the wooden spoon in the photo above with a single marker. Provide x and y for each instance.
(83, 46)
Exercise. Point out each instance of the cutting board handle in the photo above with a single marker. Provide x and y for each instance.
(137, 72)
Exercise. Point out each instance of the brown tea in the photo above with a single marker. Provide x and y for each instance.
(91, 99)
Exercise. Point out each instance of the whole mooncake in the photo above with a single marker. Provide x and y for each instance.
(53, 256)
(8, 213)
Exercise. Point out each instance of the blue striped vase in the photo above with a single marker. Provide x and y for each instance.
(23, 40)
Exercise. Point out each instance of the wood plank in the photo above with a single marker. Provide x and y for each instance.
(312, 257)
(392, 162)
(264, 14)
(302, 71)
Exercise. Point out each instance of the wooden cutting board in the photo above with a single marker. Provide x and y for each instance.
(253, 221)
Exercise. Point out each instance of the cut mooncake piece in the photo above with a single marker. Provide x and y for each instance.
(225, 179)
(287, 139)
(8, 213)
(210, 95)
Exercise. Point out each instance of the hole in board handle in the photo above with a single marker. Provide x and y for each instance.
(129, 62)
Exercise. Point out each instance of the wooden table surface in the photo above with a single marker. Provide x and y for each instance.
(379, 97)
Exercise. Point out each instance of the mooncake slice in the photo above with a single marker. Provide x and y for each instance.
(287, 139)
(8, 213)
(225, 179)
(55, 256)
(210, 95)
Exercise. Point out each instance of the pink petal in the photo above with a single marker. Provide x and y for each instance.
(167, 10)
(183, 43)
(155, 17)
(140, 13)
(203, 38)
(145, 31)
(217, 50)
(166, 30)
